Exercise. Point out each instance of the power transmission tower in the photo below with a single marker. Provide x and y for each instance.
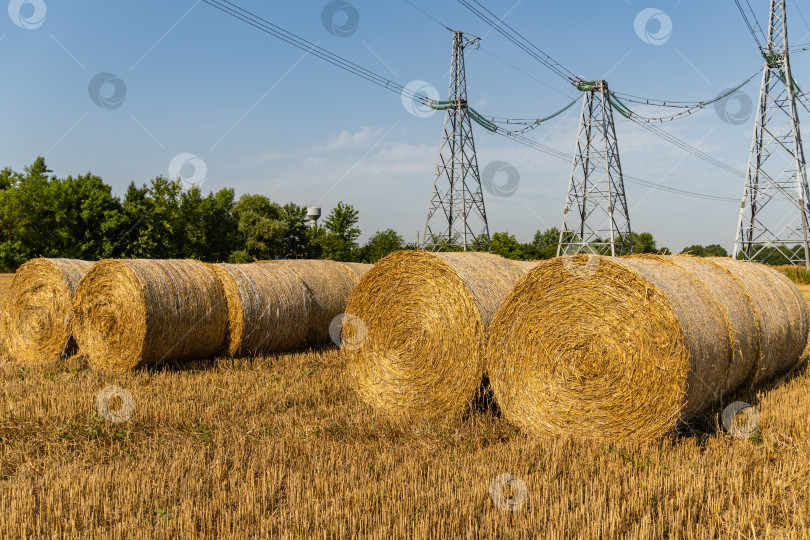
(774, 210)
(596, 219)
(457, 217)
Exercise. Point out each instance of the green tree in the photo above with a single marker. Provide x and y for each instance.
(716, 250)
(544, 244)
(643, 243)
(696, 250)
(261, 229)
(152, 223)
(505, 245)
(341, 232)
(297, 239)
(380, 244)
(210, 229)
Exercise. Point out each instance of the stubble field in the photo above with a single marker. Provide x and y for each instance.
(279, 447)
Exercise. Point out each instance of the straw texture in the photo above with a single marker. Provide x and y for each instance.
(631, 346)
(328, 285)
(780, 311)
(130, 313)
(425, 315)
(267, 308)
(35, 322)
(357, 270)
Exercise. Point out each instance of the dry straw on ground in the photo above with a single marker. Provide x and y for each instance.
(781, 314)
(328, 285)
(425, 315)
(130, 313)
(267, 308)
(625, 350)
(35, 323)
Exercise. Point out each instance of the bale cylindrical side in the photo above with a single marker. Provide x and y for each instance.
(267, 308)
(35, 323)
(780, 311)
(357, 270)
(328, 285)
(737, 312)
(425, 316)
(130, 313)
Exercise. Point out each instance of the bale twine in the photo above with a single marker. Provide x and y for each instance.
(130, 313)
(424, 317)
(780, 311)
(601, 347)
(357, 270)
(35, 323)
(328, 285)
(267, 308)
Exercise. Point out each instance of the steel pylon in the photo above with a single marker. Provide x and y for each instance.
(596, 219)
(774, 211)
(457, 218)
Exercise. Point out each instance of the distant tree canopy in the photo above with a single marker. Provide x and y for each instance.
(81, 218)
(712, 250)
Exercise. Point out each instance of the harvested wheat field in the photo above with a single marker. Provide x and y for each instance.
(279, 447)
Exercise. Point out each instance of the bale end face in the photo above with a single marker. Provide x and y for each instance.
(588, 351)
(423, 318)
(35, 322)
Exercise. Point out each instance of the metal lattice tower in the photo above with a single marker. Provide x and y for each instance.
(596, 219)
(456, 217)
(774, 211)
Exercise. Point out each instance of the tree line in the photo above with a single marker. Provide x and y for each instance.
(42, 215)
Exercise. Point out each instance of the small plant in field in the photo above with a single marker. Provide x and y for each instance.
(204, 432)
(756, 438)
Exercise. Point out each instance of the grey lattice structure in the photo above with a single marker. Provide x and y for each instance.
(774, 210)
(596, 219)
(457, 218)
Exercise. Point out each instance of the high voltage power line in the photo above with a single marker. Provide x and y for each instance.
(336, 60)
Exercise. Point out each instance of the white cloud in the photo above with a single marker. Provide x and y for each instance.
(347, 139)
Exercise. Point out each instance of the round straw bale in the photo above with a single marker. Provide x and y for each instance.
(780, 312)
(737, 312)
(624, 348)
(328, 284)
(357, 270)
(526, 266)
(425, 315)
(35, 323)
(130, 313)
(267, 308)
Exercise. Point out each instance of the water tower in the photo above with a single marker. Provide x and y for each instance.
(313, 213)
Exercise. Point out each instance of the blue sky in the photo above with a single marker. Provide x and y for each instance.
(266, 118)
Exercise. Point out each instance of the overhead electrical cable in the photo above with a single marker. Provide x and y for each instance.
(266, 26)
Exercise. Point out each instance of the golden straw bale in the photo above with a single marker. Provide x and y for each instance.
(425, 316)
(130, 313)
(328, 284)
(526, 265)
(626, 348)
(35, 322)
(780, 311)
(737, 313)
(267, 308)
(357, 270)
(599, 352)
